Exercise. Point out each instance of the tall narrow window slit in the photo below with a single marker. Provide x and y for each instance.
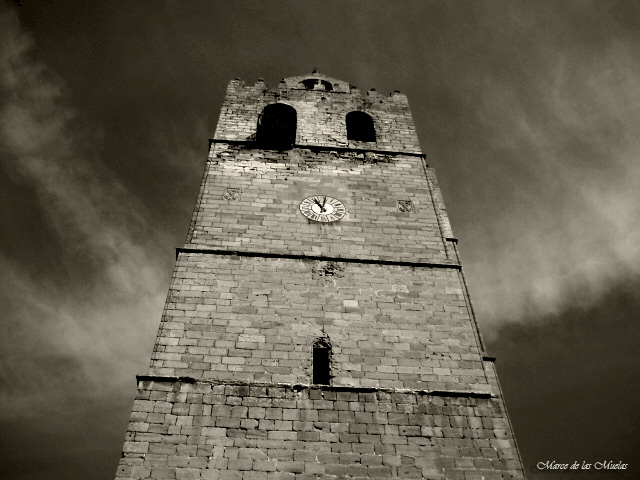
(321, 362)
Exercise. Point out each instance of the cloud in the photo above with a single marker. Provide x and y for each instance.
(62, 334)
(558, 119)
(561, 178)
(559, 372)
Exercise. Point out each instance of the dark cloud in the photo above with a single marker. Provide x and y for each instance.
(566, 381)
(74, 260)
(80, 437)
(529, 113)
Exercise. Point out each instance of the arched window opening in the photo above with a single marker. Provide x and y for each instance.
(327, 85)
(277, 126)
(310, 84)
(360, 127)
(321, 362)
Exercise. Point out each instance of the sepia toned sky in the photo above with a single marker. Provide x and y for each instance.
(528, 111)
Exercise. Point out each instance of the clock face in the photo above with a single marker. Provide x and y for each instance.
(322, 208)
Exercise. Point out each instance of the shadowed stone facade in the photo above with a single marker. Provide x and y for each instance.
(229, 392)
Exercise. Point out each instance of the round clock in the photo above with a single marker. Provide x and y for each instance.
(321, 208)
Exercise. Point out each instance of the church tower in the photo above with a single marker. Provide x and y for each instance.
(318, 324)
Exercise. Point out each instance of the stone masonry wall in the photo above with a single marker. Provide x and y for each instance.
(229, 394)
(321, 115)
(187, 431)
(256, 319)
(251, 199)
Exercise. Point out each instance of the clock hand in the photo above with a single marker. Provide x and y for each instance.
(321, 205)
(323, 202)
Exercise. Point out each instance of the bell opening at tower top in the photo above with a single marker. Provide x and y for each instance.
(277, 126)
(310, 84)
(360, 127)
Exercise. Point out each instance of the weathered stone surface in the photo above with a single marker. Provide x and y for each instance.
(321, 114)
(383, 439)
(265, 216)
(256, 318)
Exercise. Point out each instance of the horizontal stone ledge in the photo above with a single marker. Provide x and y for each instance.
(320, 148)
(303, 386)
(289, 256)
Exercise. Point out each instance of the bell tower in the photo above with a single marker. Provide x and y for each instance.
(318, 324)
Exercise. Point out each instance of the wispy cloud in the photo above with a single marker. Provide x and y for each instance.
(559, 123)
(567, 227)
(69, 334)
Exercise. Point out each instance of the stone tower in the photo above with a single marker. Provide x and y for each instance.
(318, 324)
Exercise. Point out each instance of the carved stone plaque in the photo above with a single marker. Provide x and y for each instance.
(405, 206)
(231, 194)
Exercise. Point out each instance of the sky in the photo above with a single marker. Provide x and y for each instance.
(528, 111)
